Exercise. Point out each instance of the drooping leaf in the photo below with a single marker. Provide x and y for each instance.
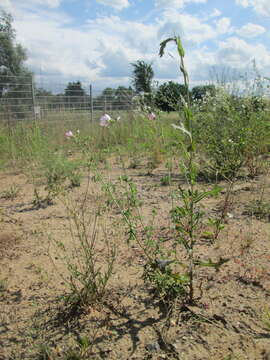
(163, 45)
(182, 128)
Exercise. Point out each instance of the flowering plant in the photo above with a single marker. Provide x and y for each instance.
(69, 134)
(105, 120)
(152, 116)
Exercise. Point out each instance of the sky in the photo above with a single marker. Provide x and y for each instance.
(95, 41)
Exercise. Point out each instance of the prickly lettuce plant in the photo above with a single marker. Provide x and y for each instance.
(171, 275)
(187, 215)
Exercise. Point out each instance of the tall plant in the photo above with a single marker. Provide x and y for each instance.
(164, 266)
(187, 216)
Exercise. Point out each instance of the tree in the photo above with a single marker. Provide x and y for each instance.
(42, 92)
(198, 92)
(12, 58)
(105, 98)
(123, 96)
(142, 76)
(115, 98)
(117, 93)
(169, 96)
(74, 89)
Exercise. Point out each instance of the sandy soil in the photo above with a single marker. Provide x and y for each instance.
(228, 320)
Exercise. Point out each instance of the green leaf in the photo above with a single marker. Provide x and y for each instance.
(198, 197)
(180, 48)
(84, 342)
(210, 263)
(182, 278)
(183, 241)
(208, 235)
(216, 190)
(177, 213)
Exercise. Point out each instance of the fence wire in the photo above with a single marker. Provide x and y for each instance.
(21, 99)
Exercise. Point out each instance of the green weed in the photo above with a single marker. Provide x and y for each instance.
(3, 285)
(259, 208)
(165, 180)
(161, 265)
(11, 193)
(87, 280)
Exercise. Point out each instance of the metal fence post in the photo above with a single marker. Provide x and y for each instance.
(91, 102)
(33, 96)
(105, 103)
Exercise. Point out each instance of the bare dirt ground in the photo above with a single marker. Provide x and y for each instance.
(227, 322)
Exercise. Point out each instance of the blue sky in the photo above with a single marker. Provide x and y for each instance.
(96, 40)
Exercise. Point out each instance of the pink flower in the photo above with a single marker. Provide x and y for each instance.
(152, 116)
(69, 134)
(104, 120)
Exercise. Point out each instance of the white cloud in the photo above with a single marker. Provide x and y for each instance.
(45, 3)
(116, 64)
(49, 3)
(15, 6)
(116, 4)
(123, 31)
(175, 4)
(101, 50)
(200, 61)
(56, 50)
(223, 25)
(6, 5)
(215, 13)
(196, 30)
(188, 26)
(261, 7)
(244, 3)
(237, 53)
(250, 30)
(171, 3)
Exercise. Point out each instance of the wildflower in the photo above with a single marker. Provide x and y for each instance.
(104, 120)
(152, 116)
(78, 131)
(69, 134)
(118, 118)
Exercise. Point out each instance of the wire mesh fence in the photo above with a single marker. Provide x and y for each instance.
(22, 99)
(16, 97)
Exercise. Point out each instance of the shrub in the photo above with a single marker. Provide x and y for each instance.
(87, 281)
(199, 92)
(168, 96)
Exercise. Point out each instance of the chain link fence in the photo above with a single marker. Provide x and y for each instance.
(22, 99)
